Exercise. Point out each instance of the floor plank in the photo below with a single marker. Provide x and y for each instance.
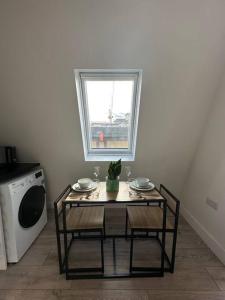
(199, 274)
(218, 274)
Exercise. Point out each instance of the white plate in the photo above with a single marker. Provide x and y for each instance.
(150, 187)
(77, 188)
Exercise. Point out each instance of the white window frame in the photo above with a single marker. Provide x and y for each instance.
(91, 154)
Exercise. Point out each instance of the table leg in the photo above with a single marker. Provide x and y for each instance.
(114, 254)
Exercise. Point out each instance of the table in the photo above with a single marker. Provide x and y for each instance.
(125, 195)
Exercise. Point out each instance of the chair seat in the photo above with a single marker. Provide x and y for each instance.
(147, 217)
(85, 218)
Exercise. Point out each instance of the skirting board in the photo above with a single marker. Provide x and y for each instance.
(3, 262)
(207, 237)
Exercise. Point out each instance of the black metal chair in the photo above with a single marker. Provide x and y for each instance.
(74, 221)
(143, 220)
(151, 218)
(173, 205)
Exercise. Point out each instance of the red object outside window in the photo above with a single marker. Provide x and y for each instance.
(101, 136)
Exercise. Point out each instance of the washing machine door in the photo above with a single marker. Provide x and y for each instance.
(31, 206)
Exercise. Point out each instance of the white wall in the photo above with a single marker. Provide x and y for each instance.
(179, 45)
(207, 179)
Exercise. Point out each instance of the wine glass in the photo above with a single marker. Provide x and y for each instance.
(96, 173)
(128, 172)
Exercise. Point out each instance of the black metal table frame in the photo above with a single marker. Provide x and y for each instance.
(71, 273)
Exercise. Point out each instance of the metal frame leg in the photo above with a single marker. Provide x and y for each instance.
(102, 250)
(59, 249)
(59, 253)
(114, 253)
(104, 234)
(66, 255)
(66, 250)
(173, 256)
(174, 238)
(173, 253)
(163, 239)
(131, 251)
(126, 226)
(79, 234)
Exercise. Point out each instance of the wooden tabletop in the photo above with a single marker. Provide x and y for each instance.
(125, 194)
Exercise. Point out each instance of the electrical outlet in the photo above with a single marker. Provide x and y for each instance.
(211, 203)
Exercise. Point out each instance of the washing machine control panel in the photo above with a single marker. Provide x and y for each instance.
(19, 185)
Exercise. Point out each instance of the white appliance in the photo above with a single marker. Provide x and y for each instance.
(24, 215)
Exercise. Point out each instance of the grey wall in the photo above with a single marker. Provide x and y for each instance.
(206, 180)
(179, 45)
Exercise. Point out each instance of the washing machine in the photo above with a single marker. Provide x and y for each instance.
(24, 215)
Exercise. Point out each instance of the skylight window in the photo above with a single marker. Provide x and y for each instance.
(108, 103)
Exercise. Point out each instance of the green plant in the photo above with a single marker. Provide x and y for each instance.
(114, 169)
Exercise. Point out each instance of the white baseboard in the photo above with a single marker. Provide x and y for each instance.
(207, 237)
(3, 260)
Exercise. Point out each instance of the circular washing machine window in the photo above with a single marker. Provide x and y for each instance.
(31, 206)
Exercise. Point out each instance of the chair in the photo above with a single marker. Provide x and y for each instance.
(173, 205)
(151, 219)
(74, 221)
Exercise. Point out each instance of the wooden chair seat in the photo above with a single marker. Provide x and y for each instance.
(85, 218)
(147, 217)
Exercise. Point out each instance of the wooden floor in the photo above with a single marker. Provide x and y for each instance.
(198, 275)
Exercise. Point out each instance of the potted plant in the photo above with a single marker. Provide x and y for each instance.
(112, 180)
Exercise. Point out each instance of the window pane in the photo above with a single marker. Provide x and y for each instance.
(108, 102)
(109, 108)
